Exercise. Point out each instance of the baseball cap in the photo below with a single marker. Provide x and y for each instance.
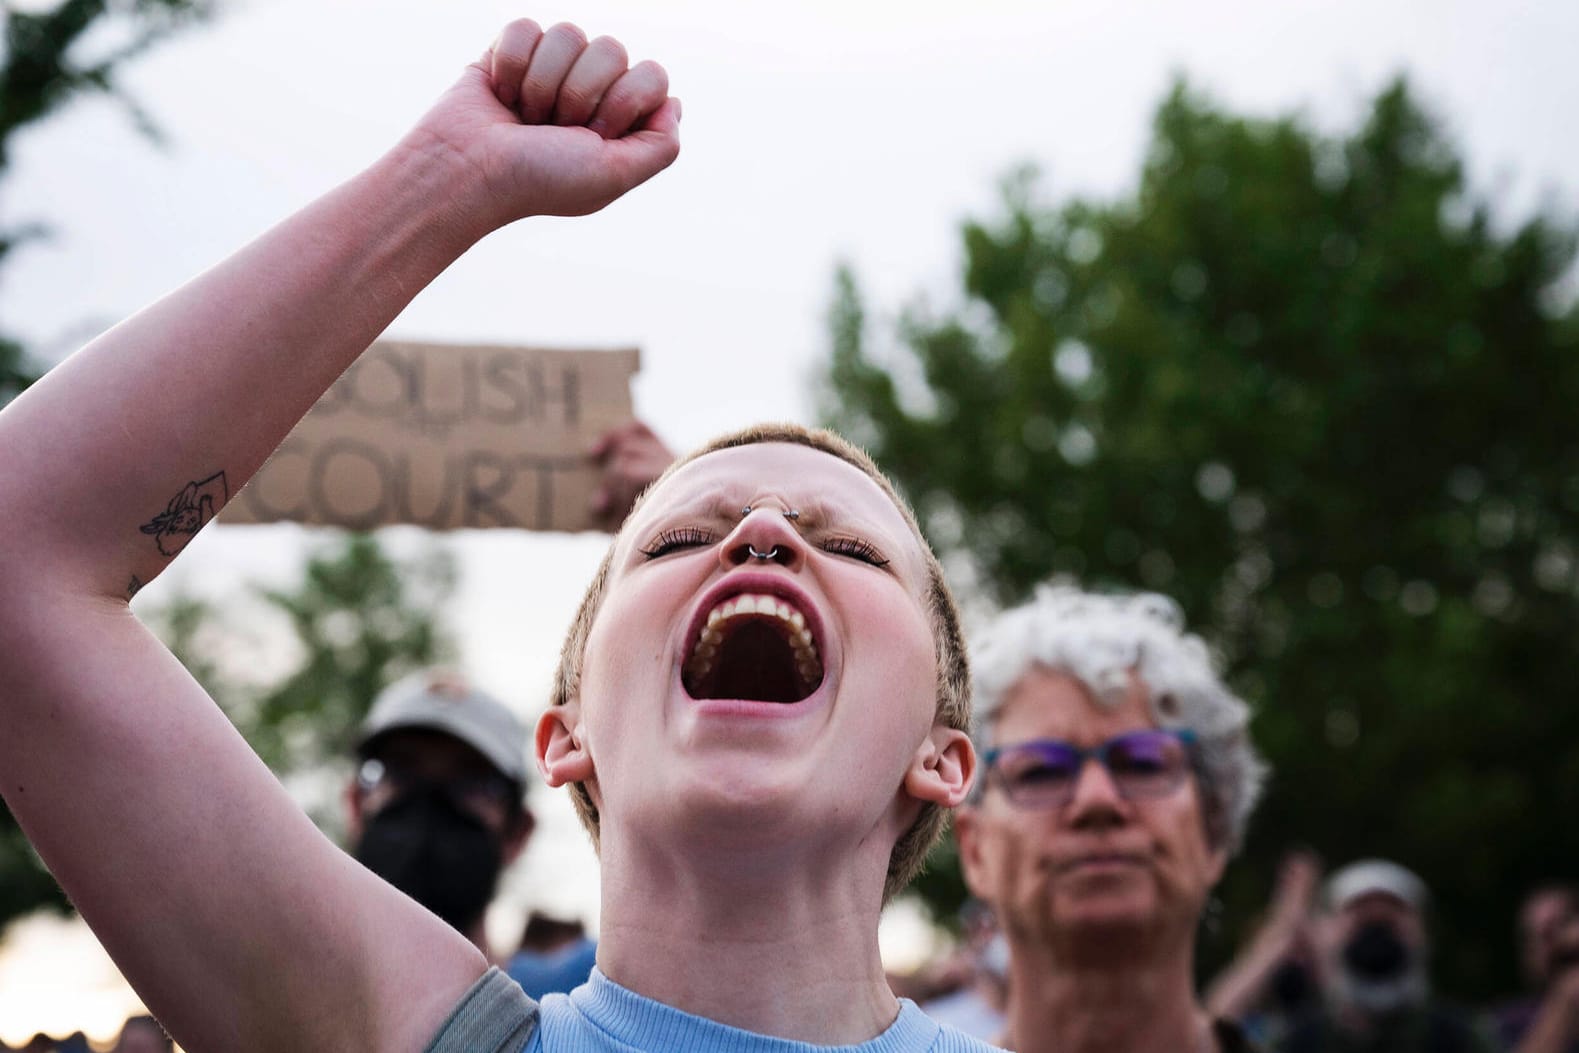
(444, 700)
(1376, 875)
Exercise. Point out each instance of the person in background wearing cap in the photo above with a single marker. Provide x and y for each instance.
(438, 810)
(1374, 954)
(437, 805)
(1119, 779)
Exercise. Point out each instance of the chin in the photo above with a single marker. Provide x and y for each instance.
(1107, 915)
(750, 796)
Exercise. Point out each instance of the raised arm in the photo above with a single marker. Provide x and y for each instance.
(238, 923)
(1247, 980)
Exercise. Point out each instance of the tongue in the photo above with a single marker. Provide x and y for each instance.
(756, 663)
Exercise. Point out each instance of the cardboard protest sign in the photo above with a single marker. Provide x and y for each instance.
(448, 437)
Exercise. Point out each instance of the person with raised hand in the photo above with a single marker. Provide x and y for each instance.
(762, 707)
(240, 925)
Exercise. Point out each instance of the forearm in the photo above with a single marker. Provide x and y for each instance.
(200, 387)
(1244, 982)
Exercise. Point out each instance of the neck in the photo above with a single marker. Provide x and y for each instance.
(777, 949)
(1123, 1002)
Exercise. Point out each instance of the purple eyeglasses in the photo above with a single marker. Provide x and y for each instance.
(1042, 773)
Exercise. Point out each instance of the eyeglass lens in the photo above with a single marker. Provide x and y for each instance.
(1045, 772)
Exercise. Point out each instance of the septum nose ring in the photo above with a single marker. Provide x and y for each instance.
(771, 553)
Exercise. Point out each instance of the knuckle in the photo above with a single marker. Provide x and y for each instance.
(611, 49)
(653, 73)
(574, 100)
(522, 29)
(537, 93)
(569, 31)
(616, 106)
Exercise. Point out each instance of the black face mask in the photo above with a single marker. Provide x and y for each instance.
(1376, 954)
(441, 856)
(1291, 987)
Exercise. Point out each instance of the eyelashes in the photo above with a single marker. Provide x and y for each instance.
(681, 538)
(855, 548)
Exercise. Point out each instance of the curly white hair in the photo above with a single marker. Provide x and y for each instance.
(1099, 639)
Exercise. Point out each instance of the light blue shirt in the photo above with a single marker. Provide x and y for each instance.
(600, 1016)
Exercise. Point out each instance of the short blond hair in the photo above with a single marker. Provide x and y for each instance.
(953, 703)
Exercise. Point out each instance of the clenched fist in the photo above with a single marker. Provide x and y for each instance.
(554, 124)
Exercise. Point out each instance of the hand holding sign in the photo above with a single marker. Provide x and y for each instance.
(632, 456)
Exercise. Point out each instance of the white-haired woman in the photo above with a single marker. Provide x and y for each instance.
(1117, 780)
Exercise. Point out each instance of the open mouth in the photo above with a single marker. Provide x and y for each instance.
(754, 647)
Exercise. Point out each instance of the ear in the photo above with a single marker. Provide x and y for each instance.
(562, 757)
(1216, 863)
(942, 767)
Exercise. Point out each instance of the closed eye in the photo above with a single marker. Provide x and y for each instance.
(1042, 774)
(677, 539)
(855, 548)
(1136, 763)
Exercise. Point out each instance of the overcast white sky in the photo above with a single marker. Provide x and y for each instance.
(814, 130)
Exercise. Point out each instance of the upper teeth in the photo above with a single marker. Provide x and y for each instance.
(800, 639)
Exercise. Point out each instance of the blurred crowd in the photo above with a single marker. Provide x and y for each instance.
(1343, 964)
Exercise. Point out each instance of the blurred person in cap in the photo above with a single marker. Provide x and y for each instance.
(1119, 780)
(1547, 1019)
(1374, 954)
(438, 809)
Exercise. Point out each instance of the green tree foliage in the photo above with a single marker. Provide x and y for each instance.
(1317, 392)
(362, 620)
(358, 620)
(15, 371)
